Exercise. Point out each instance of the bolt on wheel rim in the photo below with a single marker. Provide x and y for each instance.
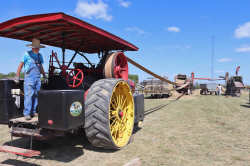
(121, 114)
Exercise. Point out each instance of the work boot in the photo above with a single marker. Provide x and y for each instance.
(27, 117)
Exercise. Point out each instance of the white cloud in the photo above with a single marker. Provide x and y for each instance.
(173, 29)
(245, 48)
(243, 31)
(224, 60)
(136, 30)
(124, 3)
(98, 10)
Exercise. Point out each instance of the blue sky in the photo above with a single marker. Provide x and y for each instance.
(173, 36)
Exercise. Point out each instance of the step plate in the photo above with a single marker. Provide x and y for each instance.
(33, 121)
(19, 151)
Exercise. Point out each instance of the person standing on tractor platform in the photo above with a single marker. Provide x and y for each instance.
(33, 68)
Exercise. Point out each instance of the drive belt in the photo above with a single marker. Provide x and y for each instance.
(150, 72)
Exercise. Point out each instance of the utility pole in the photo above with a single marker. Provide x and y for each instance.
(212, 57)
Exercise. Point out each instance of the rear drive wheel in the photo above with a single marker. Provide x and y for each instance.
(109, 114)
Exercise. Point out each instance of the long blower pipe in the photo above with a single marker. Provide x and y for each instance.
(209, 79)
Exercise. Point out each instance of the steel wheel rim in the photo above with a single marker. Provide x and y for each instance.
(121, 114)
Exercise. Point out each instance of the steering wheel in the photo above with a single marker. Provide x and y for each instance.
(74, 78)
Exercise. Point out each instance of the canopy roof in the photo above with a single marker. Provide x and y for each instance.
(61, 30)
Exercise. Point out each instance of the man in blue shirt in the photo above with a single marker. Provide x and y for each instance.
(32, 62)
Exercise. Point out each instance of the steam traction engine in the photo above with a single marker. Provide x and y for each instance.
(78, 95)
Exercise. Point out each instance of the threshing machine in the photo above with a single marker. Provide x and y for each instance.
(234, 84)
(183, 83)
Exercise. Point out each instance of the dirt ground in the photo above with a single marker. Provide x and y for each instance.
(193, 131)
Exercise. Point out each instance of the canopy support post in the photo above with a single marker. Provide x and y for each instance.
(85, 58)
(63, 56)
(76, 52)
(73, 57)
(63, 48)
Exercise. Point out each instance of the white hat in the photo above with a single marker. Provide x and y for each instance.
(35, 44)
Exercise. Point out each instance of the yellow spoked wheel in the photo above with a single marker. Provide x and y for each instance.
(109, 113)
(121, 114)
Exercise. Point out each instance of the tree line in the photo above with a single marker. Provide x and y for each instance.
(134, 77)
(10, 75)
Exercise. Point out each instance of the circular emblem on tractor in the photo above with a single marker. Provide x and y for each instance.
(76, 109)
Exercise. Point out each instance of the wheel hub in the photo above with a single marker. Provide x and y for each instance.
(120, 113)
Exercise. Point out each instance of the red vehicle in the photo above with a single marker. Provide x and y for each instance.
(78, 95)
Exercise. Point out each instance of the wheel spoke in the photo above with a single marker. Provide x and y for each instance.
(124, 128)
(123, 105)
(113, 116)
(118, 100)
(115, 101)
(113, 105)
(113, 111)
(118, 131)
(114, 121)
(124, 120)
(121, 130)
(78, 73)
(121, 100)
(115, 129)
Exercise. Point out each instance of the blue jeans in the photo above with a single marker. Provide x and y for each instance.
(31, 88)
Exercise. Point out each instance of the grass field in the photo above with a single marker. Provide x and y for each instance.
(193, 131)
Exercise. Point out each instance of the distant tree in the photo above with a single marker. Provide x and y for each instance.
(1, 75)
(21, 75)
(133, 77)
(10, 75)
